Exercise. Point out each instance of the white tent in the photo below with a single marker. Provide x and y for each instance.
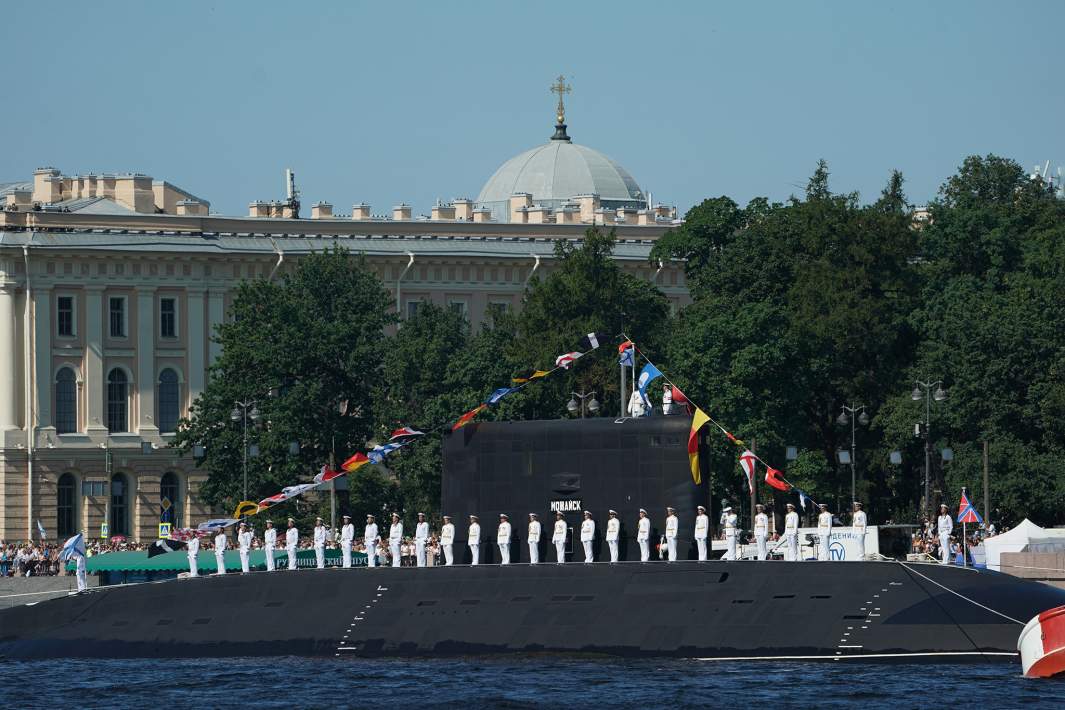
(1019, 538)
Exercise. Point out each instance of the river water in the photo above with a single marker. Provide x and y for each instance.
(523, 682)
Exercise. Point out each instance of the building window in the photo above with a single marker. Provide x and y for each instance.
(169, 401)
(412, 308)
(119, 505)
(66, 401)
(168, 499)
(65, 523)
(117, 317)
(168, 317)
(117, 401)
(458, 306)
(64, 316)
(93, 488)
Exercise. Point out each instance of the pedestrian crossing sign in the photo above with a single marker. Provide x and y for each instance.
(164, 530)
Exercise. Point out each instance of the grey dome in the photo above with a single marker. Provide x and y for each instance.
(559, 170)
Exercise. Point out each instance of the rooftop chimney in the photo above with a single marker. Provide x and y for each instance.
(443, 212)
(464, 209)
(191, 207)
(360, 211)
(259, 208)
(482, 215)
(321, 210)
(519, 201)
(401, 212)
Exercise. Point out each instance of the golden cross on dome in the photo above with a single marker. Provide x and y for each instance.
(561, 88)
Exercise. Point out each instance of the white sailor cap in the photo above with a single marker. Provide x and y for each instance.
(292, 520)
(944, 506)
(858, 503)
(346, 517)
(244, 524)
(587, 512)
(759, 505)
(395, 515)
(822, 505)
(503, 515)
(727, 509)
(700, 507)
(533, 515)
(643, 510)
(447, 517)
(269, 522)
(318, 519)
(671, 508)
(611, 512)
(421, 515)
(474, 517)
(791, 505)
(369, 516)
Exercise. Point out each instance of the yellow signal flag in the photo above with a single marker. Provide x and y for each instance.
(245, 507)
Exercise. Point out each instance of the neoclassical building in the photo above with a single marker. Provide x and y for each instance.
(111, 285)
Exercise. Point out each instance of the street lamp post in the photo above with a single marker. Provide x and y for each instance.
(240, 412)
(847, 416)
(572, 405)
(939, 395)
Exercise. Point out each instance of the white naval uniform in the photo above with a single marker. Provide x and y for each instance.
(447, 542)
(761, 532)
(474, 543)
(731, 521)
(347, 538)
(824, 533)
(587, 536)
(534, 542)
(395, 539)
(702, 529)
(79, 567)
(269, 543)
(672, 525)
(860, 523)
(945, 525)
(613, 531)
(193, 551)
(503, 540)
(370, 538)
(220, 545)
(791, 535)
(421, 538)
(244, 543)
(559, 538)
(319, 546)
(643, 536)
(292, 540)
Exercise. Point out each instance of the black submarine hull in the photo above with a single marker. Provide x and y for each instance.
(715, 610)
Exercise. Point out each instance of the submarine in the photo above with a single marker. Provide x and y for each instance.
(876, 610)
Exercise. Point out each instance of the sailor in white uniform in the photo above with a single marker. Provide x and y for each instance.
(643, 535)
(534, 539)
(292, 541)
(220, 545)
(824, 532)
(613, 532)
(395, 540)
(347, 539)
(672, 526)
(192, 549)
(244, 545)
(503, 539)
(731, 534)
(421, 539)
(859, 522)
(588, 536)
(474, 540)
(945, 526)
(370, 538)
(319, 543)
(79, 569)
(761, 531)
(447, 541)
(791, 534)
(702, 529)
(269, 544)
(558, 537)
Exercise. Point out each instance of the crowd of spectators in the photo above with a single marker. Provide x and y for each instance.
(28, 559)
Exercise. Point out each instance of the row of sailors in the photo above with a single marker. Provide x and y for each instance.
(504, 534)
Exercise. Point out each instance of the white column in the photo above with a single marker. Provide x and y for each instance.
(9, 383)
(197, 335)
(42, 345)
(94, 359)
(215, 314)
(146, 361)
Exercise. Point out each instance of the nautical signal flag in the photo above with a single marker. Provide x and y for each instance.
(966, 512)
(565, 360)
(499, 394)
(245, 507)
(803, 498)
(627, 354)
(405, 433)
(73, 547)
(356, 462)
(747, 462)
(161, 547)
(776, 479)
(467, 417)
(327, 474)
(698, 422)
(377, 454)
(734, 440)
(594, 340)
(527, 376)
(647, 375)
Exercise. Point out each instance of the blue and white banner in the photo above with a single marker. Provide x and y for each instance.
(73, 547)
(649, 373)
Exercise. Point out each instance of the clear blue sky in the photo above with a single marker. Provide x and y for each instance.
(393, 101)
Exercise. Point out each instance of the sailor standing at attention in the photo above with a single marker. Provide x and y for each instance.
(791, 533)
(588, 536)
(347, 538)
(220, 552)
(824, 532)
(193, 551)
(421, 538)
(761, 531)
(319, 543)
(559, 538)
(370, 538)
(474, 540)
(447, 541)
(292, 540)
(503, 539)
(731, 524)
(702, 528)
(672, 525)
(269, 544)
(534, 539)
(244, 544)
(613, 531)
(643, 536)
(945, 526)
(395, 539)
(859, 522)
(79, 570)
